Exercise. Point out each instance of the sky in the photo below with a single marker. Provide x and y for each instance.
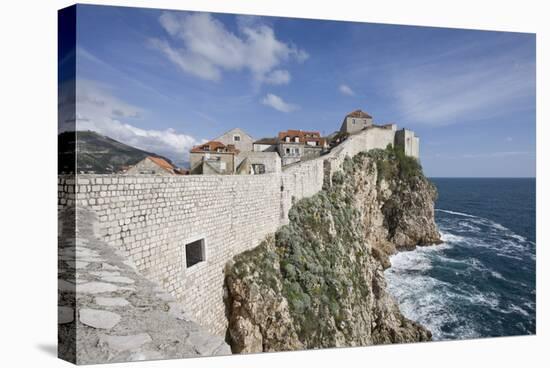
(164, 81)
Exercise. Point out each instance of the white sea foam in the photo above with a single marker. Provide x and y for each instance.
(410, 261)
(469, 226)
(510, 256)
(498, 226)
(518, 237)
(472, 221)
(526, 308)
(455, 213)
(428, 301)
(475, 297)
(451, 238)
(493, 236)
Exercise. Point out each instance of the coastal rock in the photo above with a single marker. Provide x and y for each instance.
(409, 213)
(260, 304)
(319, 281)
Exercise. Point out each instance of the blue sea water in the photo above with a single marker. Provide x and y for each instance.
(481, 281)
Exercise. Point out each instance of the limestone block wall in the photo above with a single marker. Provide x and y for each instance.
(152, 218)
(299, 180)
(378, 137)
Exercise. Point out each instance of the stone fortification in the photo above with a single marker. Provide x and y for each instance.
(151, 219)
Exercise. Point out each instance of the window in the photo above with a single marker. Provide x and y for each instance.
(258, 168)
(222, 165)
(288, 150)
(287, 139)
(194, 253)
(236, 138)
(297, 139)
(353, 121)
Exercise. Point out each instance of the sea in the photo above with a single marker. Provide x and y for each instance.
(481, 281)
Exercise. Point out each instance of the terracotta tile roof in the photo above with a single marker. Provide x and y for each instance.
(359, 114)
(213, 146)
(303, 136)
(162, 163)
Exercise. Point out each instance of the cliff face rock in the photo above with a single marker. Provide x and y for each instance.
(406, 201)
(319, 281)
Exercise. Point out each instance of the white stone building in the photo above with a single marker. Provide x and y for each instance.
(237, 137)
(356, 121)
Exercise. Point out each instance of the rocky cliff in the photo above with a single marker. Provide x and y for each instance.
(319, 282)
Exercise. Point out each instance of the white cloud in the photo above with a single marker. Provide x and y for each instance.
(346, 90)
(202, 46)
(443, 94)
(278, 103)
(278, 77)
(188, 62)
(97, 109)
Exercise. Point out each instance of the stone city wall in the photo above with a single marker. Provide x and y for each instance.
(152, 218)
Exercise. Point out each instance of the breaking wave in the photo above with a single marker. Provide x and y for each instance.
(477, 283)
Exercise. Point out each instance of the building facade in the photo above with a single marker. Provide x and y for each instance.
(409, 141)
(235, 152)
(238, 138)
(297, 145)
(213, 158)
(356, 121)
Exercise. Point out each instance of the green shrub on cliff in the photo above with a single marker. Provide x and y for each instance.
(392, 162)
(321, 257)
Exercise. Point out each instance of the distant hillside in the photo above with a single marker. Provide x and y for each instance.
(96, 153)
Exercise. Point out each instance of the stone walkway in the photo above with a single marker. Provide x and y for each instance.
(108, 312)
